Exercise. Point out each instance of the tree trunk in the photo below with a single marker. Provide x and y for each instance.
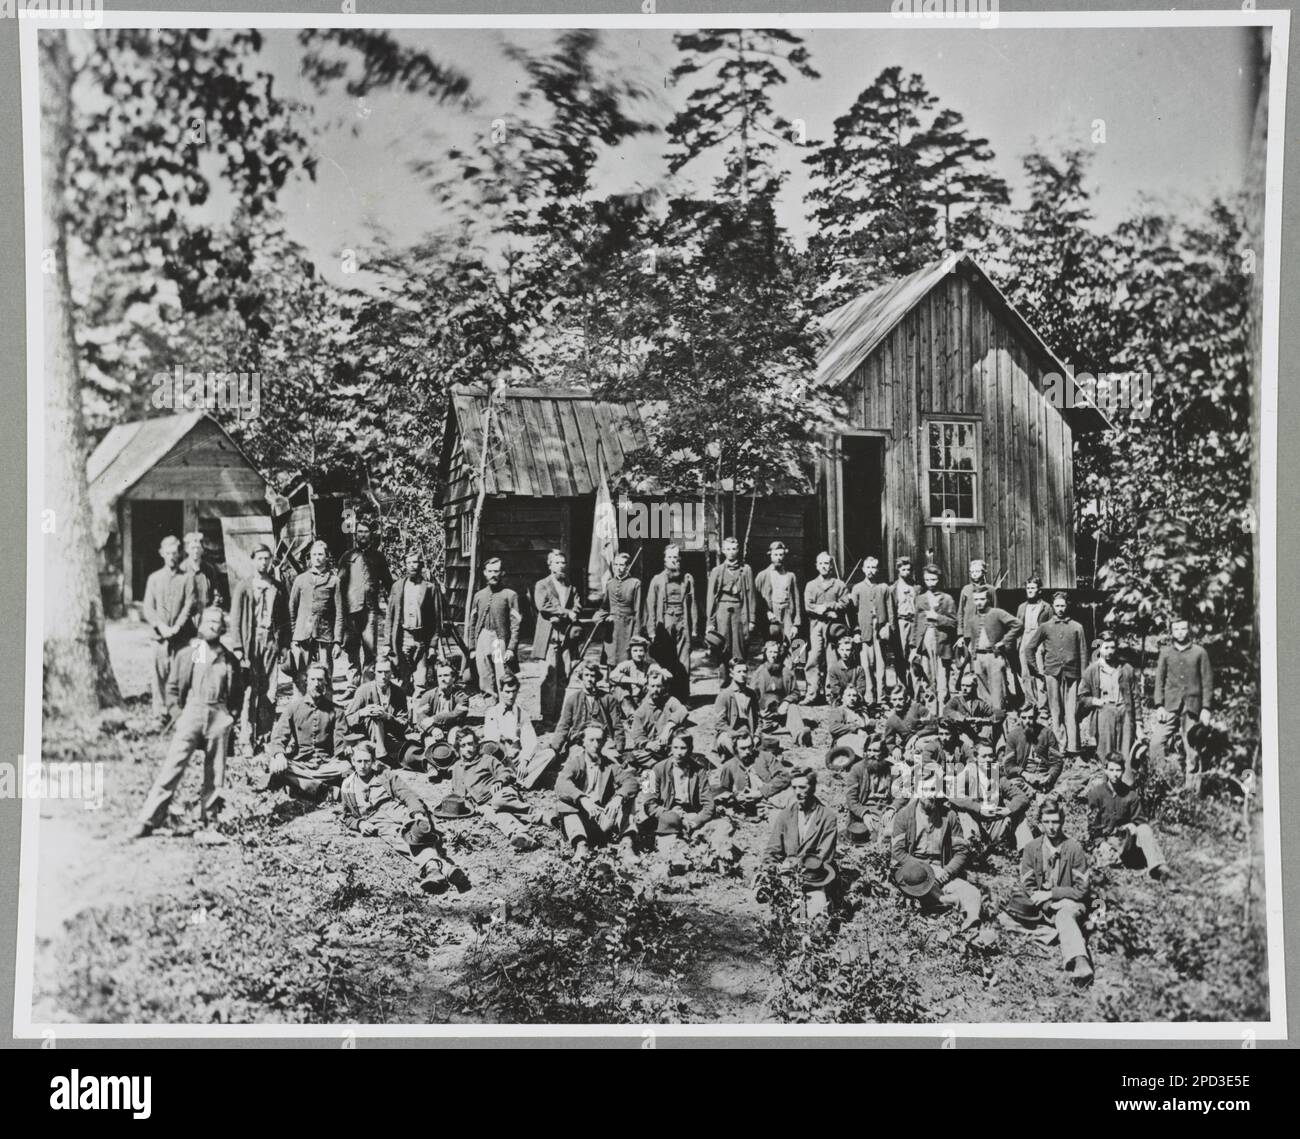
(78, 675)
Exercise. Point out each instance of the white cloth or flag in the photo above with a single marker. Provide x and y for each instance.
(604, 537)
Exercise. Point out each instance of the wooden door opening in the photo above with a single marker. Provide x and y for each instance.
(862, 495)
(152, 520)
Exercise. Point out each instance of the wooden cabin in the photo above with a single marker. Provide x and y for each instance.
(169, 475)
(949, 441)
(542, 475)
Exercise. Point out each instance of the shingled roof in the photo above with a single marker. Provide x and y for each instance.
(850, 333)
(549, 438)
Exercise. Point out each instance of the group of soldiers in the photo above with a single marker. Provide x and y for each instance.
(951, 724)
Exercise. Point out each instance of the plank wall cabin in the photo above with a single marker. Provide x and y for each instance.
(949, 442)
(169, 475)
(542, 476)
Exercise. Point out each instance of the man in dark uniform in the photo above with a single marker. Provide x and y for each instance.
(731, 603)
(557, 611)
(364, 581)
(260, 619)
(670, 621)
(623, 603)
(494, 620)
(316, 610)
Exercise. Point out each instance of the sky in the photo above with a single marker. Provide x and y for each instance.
(1175, 104)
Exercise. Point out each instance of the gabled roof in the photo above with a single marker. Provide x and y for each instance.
(129, 452)
(545, 441)
(857, 328)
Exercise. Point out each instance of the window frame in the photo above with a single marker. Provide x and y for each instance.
(976, 473)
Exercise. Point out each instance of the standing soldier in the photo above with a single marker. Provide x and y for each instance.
(260, 615)
(208, 588)
(316, 610)
(168, 609)
(1183, 693)
(777, 589)
(965, 603)
(872, 605)
(731, 605)
(364, 581)
(990, 634)
(1033, 611)
(902, 595)
(825, 599)
(933, 633)
(494, 620)
(623, 602)
(557, 611)
(1065, 656)
(204, 690)
(670, 620)
(1108, 690)
(414, 620)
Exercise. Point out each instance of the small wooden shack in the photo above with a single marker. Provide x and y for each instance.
(167, 475)
(542, 475)
(949, 443)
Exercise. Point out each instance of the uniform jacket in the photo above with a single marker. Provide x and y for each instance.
(1037, 756)
(744, 586)
(513, 726)
(870, 788)
(872, 605)
(1071, 877)
(395, 717)
(969, 794)
(358, 806)
(649, 720)
(202, 674)
(952, 845)
(736, 707)
(316, 607)
(767, 774)
(829, 593)
(1090, 689)
(699, 795)
(1065, 649)
(478, 781)
(840, 676)
(447, 709)
(1111, 808)
(1184, 677)
(945, 628)
(1045, 613)
(243, 617)
(657, 600)
(783, 839)
(763, 594)
(429, 608)
(364, 579)
(307, 732)
(623, 599)
(612, 781)
(579, 710)
(486, 613)
(966, 601)
(1003, 629)
(778, 682)
(552, 598)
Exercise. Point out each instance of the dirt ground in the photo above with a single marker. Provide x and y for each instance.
(284, 916)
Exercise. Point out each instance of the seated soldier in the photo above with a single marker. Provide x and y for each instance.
(1054, 878)
(850, 726)
(442, 708)
(679, 807)
(484, 778)
(657, 717)
(306, 752)
(596, 794)
(507, 724)
(804, 830)
(582, 706)
(873, 797)
(1035, 748)
(1115, 819)
(737, 707)
(628, 679)
(376, 803)
(928, 851)
(778, 696)
(378, 709)
(844, 670)
(905, 716)
(965, 704)
(751, 778)
(991, 805)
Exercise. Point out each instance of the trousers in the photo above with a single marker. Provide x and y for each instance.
(873, 664)
(164, 652)
(991, 669)
(1062, 704)
(1161, 735)
(360, 640)
(727, 619)
(818, 648)
(672, 651)
(200, 727)
(490, 673)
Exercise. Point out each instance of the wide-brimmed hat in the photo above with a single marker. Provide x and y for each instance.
(1138, 754)
(714, 640)
(817, 875)
(453, 807)
(1201, 735)
(412, 759)
(841, 757)
(637, 639)
(670, 822)
(858, 831)
(914, 877)
(492, 747)
(836, 631)
(356, 736)
(442, 756)
(1019, 907)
